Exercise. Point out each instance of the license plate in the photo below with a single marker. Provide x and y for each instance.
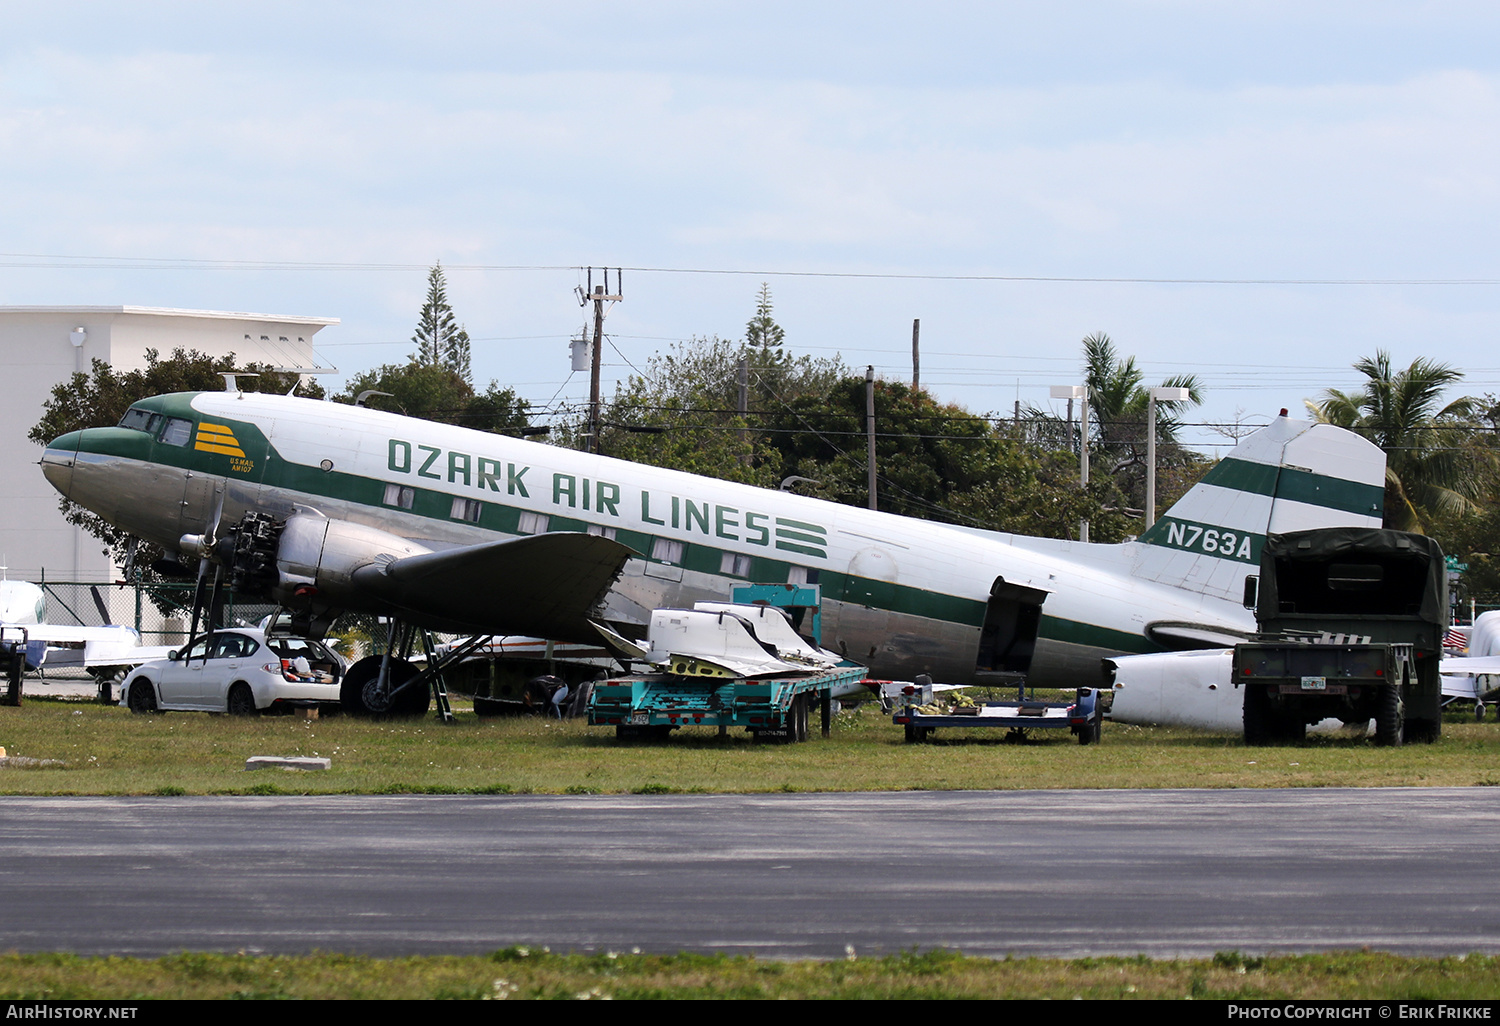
(640, 719)
(1314, 683)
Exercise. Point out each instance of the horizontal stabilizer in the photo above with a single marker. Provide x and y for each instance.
(546, 585)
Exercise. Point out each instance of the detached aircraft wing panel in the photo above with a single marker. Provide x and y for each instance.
(546, 585)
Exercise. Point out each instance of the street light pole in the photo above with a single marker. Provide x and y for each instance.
(1165, 394)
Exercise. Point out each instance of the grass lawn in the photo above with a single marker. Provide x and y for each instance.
(84, 748)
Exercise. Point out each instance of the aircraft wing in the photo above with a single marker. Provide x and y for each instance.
(65, 634)
(1470, 666)
(545, 585)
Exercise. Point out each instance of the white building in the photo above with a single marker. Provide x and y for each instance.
(41, 346)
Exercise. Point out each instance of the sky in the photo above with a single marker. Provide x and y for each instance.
(1258, 194)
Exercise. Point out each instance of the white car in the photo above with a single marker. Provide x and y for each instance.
(239, 671)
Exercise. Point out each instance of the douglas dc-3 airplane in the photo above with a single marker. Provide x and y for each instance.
(327, 507)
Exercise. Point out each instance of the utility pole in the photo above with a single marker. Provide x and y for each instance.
(870, 428)
(598, 295)
(916, 356)
(744, 405)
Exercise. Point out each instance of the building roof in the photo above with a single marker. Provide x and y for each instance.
(167, 311)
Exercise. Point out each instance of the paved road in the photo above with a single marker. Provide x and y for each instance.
(1164, 873)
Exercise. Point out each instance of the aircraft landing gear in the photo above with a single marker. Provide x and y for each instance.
(392, 685)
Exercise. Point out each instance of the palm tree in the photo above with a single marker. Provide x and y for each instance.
(1426, 472)
(1118, 400)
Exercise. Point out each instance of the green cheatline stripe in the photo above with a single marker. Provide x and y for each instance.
(1072, 632)
(1298, 486)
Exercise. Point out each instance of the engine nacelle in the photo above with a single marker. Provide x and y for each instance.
(316, 557)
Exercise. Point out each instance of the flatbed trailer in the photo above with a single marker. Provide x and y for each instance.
(1082, 716)
(772, 708)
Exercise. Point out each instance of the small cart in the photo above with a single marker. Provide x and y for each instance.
(1082, 716)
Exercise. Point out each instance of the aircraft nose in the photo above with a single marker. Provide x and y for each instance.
(58, 460)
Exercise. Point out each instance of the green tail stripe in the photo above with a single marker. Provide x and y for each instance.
(1331, 492)
(1297, 486)
(1243, 476)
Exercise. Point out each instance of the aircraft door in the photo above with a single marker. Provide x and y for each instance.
(1007, 641)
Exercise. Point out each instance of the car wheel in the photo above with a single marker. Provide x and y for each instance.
(241, 700)
(142, 697)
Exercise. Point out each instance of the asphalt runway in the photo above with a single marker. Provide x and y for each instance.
(1060, 873)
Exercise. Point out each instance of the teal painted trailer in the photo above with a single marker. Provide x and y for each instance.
(771, 708)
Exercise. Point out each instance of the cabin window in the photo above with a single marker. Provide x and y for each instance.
(599, 531)
(801, 575)
(400, 496)
(734, 564)
(177, 431)
(664, 550)
(467, 509)
(532, 523)
(141, 420)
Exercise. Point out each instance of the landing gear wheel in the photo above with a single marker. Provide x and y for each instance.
(142, 697)
(1389, 716)
(1479, 712)
(360, 693)
(1258, 716)
(241, 700)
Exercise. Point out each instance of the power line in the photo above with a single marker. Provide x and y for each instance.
(59, 261)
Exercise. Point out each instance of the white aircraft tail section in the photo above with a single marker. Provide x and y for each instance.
(1289, 476)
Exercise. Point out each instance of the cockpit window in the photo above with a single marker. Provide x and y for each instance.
(177, 431)
(141, 420)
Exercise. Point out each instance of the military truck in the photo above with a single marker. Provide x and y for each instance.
(1350, 624)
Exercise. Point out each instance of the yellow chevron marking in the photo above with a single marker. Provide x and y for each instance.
(217, 438)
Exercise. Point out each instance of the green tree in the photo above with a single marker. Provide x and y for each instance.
(682, 412)
(1430, 472)
(101, 397)
(762, 330)
(441, 340)
(437, 393)
(941, 462)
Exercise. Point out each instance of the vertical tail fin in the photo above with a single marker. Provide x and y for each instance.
(1289, 476)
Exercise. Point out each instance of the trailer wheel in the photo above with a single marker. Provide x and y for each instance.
(1089, 734)
(1258, 715)
(798, 717)
(916, 735)
(1389, 716)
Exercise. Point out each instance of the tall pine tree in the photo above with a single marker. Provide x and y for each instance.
(441, 341)
(762, 330)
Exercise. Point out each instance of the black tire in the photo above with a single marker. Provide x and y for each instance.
(357, 696)
(142, 698)
(1088, 734)
(241, 700)
(1423, 731)
(1389, 717)
(1479, 712)
(1291, 729)
(1259, 720)
(799, 718)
